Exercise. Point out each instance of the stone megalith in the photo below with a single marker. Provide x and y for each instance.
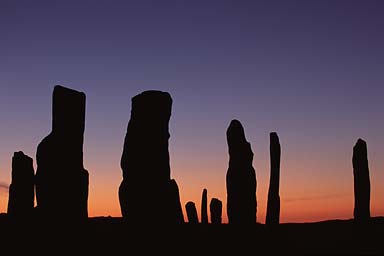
(240, 178)
(362, 187)
(147, 195)
(61, 180)
(22, 189)
(216, 208)
(204, 210)
(273, 205)
(178, 217)
(190, 208)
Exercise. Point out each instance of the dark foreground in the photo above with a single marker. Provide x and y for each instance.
(110, 236)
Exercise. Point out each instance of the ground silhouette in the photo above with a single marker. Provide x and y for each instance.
(112, 235)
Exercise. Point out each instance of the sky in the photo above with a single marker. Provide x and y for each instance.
(312, 71)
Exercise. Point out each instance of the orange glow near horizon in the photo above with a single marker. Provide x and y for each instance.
(303, 199)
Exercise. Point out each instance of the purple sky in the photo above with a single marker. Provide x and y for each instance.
(311, 70)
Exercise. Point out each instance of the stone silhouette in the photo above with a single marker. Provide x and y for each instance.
(216, 208)
(204, 210)
(175, 202)
(61, 180)
(147, 187)
(240, 178)
(273, 205)
(22, 189)
(190, 208)
(362, 187)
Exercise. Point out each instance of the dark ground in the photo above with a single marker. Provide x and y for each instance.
(110, 236)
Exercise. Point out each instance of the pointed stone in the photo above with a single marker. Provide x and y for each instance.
(146, 187)
(178, 217)
(273, 205)
(22, 189)
(362, 187)
(190, 208)
(204, 214)
(216, 208)
(240, 178)
(61, 180)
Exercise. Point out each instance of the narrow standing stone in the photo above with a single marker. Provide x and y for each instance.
(273, 206)
(362, 187)
(204, 214)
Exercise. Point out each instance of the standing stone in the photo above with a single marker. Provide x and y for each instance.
(22, 189)
(216, 208)
(146, 190)
(190, 208)
(273, 206)
(175, 202)
(240, 178)
(204, 214)
(362, 187)
(61, 180)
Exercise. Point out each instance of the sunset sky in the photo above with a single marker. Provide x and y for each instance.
(313, 71)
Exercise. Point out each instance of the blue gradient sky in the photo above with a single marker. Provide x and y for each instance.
(310, 70)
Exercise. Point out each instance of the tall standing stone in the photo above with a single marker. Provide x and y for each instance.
(190, 208)
(216, 208)
(240, 178)
(362, 187)
(204, 210)
(147, 194)
(61, 180)
(22, 189)
(273, 205)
